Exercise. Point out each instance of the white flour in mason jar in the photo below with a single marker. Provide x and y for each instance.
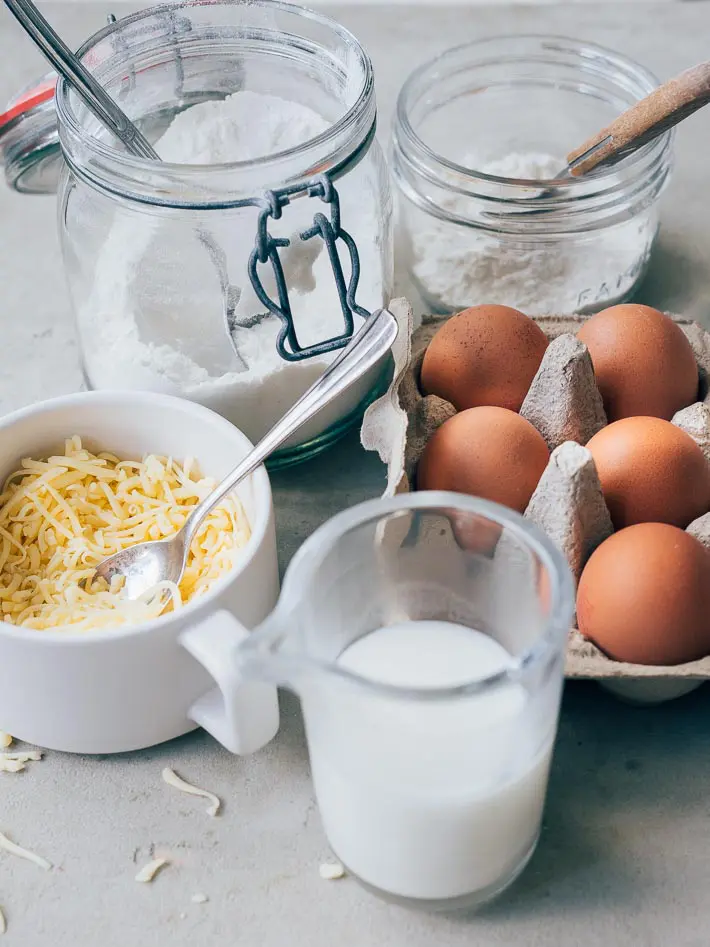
(456, 266)
(153, 317)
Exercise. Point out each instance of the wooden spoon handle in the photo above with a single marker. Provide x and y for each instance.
(662, 109)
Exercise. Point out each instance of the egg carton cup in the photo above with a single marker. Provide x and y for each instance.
(564, 404)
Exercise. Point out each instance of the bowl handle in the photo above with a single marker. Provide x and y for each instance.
(242, 714)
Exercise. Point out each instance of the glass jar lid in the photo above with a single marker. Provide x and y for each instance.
(29, 139)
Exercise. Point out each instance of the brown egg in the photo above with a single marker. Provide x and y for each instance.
(643, 363)
(485, 355)
(651, 472)
(644, 596)
(475, 534)
(487, 452)
(544, 589)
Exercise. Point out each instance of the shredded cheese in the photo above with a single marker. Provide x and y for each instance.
(14, 849)
(5, 739)
(331, 871)
(15, 762)
(149, 871)
(3, 922)
(172, 779)
(199, 898)
(60, 517)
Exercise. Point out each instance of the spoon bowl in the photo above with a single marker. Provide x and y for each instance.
(146, 565)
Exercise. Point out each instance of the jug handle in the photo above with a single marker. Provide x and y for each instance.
(242, 715)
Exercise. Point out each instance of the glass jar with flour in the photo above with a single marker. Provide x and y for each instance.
(476, 131)
(228, 272)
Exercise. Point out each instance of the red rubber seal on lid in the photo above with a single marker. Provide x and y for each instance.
(28, 101)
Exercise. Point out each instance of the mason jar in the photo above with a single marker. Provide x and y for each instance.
(174, 266)
(476, 130)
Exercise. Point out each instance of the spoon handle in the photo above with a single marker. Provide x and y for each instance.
(364, 350)
(649, 118)
(79, 78)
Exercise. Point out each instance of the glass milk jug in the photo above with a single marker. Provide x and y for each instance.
(425, 636)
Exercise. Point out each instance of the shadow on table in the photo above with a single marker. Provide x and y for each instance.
(674, 275)
(620, 775)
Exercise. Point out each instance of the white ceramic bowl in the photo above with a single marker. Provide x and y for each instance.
(127, 688)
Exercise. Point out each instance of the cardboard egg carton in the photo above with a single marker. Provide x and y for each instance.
(564, 404)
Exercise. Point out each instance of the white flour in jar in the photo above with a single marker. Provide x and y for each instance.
(153, 318)
(455, 266)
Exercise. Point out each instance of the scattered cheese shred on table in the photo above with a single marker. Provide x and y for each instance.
(332, 871)
(199, 898)
(149, 871)
(60, 517)
(3, 922)
(172, 779)
(5, 739)
(15, 762)
(14, 849)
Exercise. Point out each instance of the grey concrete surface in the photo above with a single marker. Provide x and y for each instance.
(623, 860)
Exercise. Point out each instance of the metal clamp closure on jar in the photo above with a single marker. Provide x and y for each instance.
(267, 250)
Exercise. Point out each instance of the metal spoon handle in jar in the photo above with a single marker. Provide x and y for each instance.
(665, 107)
(96, 99)
(362, 353)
